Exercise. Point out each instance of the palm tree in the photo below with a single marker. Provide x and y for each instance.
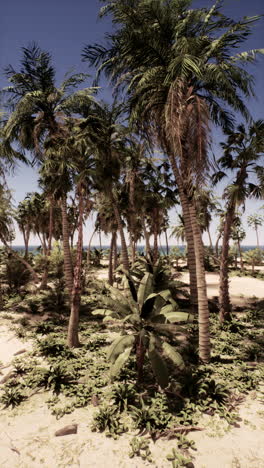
(74, 166)
(7, 229)
(238, 234)
(253, 257)
(40, 112)
(107, 136)
(178, 69)
(178, 231)
(241, 154)
(254, 221)
(24, 222)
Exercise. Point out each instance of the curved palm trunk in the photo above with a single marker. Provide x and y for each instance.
(68, 269)
(124, 252)
(110, 263)
(257, 237)
(203, 309)
(26, 235)
(189, 236)
(44, 280)
(240, 255)
(132, 214)
(155, 244)
(73, 338)
(210, 239)
(100, 239)
(115, 261)
(224, 299)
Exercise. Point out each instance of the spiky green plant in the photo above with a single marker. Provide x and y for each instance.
(149, 319)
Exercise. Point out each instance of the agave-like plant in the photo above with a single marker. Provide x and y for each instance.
(149, 320)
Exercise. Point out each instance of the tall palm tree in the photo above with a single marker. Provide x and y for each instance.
(178, 69)
(24, 221)
(107, 136)
(255, 221)
(39, 111)
(242, 154)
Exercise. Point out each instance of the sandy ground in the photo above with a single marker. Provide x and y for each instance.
(27, 437)
(241, 289)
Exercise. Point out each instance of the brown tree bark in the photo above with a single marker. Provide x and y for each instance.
(110, 262)
(203, 309)
(124, 252)
(224, 299)
(73, 338)
(68, 268)
(189, 236)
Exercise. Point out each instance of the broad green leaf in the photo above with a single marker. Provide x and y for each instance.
(159, 303)
(167, 308)
(173, 355)
(118, 346)
(120, 361)
(145, 288)
(129, 288)
(148, 306)
(174, 317)
(159, 368)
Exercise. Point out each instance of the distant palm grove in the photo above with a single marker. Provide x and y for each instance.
(176, 73)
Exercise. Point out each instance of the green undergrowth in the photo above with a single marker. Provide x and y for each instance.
(80, 377)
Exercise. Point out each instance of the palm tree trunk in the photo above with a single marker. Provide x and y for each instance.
(26, 241)
(203, 309)
(73, 338)
(155, 245)
(146, 235)
(224, 299)
(110, 264)
(115, 252)
(240, 256)
(100, 239)
(68, 269)
(44, 280)
(257, 237)
(189, 236)
(124, 252)
(210, 239)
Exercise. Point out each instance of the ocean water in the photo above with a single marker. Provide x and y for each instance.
(35, 248)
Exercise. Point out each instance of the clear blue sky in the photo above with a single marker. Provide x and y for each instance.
(63, 27)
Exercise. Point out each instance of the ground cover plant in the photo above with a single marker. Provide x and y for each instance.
(149, 406)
